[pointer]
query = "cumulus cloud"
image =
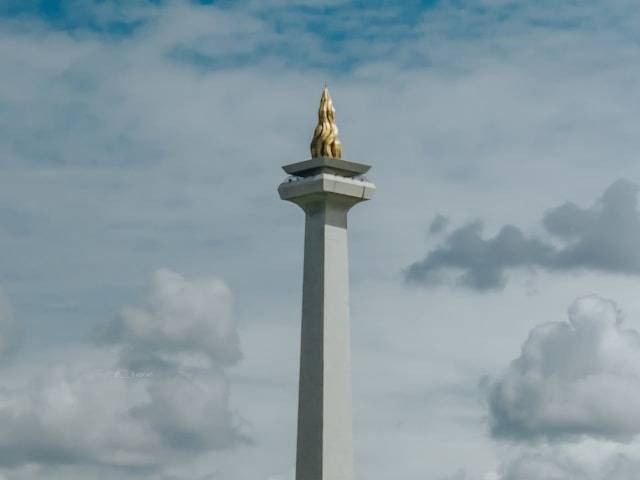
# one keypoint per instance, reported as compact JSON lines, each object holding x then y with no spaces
{"x":164,"y":405}
{"x":572,"y":379}
{"x":62,"y":418}
{"x":603,"y":237}
{"x":181,"y":317}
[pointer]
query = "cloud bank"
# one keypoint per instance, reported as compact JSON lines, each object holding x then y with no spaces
{"x":603,"y":237}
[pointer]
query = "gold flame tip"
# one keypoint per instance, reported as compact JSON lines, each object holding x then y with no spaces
{"x":325,"y":142}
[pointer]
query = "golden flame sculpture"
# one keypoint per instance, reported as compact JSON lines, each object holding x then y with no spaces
{"x":325,"y":141}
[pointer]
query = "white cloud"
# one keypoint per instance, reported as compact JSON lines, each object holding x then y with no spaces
{"x":180,"y":317}
{"x":65,"y":417}
{"x":572,"y":379}
{"x":138,"y":416}
{"x":568,"y":404}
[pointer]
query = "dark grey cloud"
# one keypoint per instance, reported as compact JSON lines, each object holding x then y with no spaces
{"x":438,"y":224}
{"x":572,"y":380}
{"x":481,"y":261}
{"x":602,"y":237}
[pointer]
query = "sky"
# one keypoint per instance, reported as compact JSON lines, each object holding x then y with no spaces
{"x":150,"y":281}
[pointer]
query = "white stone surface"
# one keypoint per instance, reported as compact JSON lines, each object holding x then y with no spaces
{"x":325,"y":447}
{"x":355,"y":187}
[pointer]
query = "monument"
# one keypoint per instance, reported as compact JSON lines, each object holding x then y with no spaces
{"x":325,"y":187}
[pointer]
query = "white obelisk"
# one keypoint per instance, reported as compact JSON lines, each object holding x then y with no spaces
{"x":326,"y":187}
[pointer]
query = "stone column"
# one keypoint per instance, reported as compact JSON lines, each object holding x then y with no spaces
{"x":325,"y":189}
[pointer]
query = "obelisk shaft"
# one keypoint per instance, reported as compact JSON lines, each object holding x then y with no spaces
{"x":325,"y":450}
{"x":326,"y":189}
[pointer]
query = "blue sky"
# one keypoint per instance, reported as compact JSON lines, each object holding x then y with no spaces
{"x":140,"y":148}
{"x":335,"y":25}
